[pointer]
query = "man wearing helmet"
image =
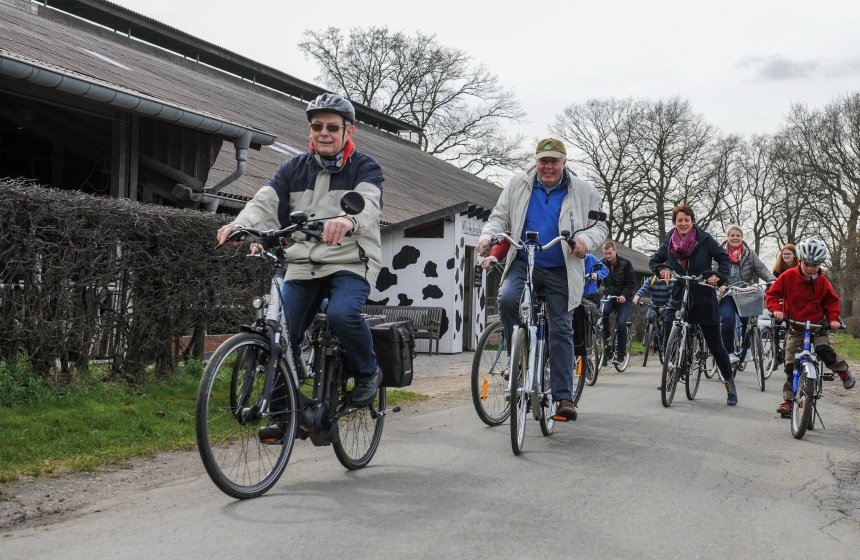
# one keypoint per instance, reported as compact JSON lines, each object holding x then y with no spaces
{"x":804,"y":293}
{"x":340,"y":267}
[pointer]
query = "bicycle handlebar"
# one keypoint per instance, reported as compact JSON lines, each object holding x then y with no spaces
{"x":522,"y":244}
{"x":809,"y":325}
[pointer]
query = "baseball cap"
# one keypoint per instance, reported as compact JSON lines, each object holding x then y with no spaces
{"x":551,"y":148}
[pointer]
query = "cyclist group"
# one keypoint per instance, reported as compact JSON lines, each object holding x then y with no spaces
{"x":546,"y":198}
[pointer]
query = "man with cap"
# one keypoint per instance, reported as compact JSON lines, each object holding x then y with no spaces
{"x":547,"y":198}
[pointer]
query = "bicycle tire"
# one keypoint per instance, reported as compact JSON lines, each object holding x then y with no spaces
{"x":489,"y":376}
{"x":518,"y":396}
{"x":238,"y":463}
{"x":648,"y":342}
{"x":580,"y":373}
{"x":758,"y":360}
{"x":803,"y":404}
{"x":712,"y":370}
{"x":594,"y":358}
{"x":547,"y":422}
{"x":671,"y":369}
{"x":355,"y":435}
{"x":769,"y":351}
{"x":620,"y":368}
{"x":698,"y":360}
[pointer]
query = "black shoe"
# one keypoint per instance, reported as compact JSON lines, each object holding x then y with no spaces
{"x":365,"y":389}
{"x":273,"y":434}
{"x":731,"y":392}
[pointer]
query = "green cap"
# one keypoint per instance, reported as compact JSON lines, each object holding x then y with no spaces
{"x":550,"y":148}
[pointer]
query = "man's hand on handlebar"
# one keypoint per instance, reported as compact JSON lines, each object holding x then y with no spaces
{"x":336,"y":229}
{"x":578,"y":247}
{"x":483,"y":246}
{"x":224,"y":233}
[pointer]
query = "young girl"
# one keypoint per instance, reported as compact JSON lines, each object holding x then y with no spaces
{"x":787,"y":259}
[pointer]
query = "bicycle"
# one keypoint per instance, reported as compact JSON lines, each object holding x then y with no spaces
{"x":772,"y":335}
{"x":807,"y":381}
{"x":749,"y":301}
{"x":594,"y":351}
{"x":685,"y":349}
{"x":609,"y":349}
{"x":529,"y":383}
{"x":653,"y":339}
{"x":490,"y":373}
{"x":254,"y":380}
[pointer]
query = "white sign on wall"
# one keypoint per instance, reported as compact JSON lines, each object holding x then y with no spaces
{"x":471,"y":230}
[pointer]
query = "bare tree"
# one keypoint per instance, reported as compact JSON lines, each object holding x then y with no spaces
{"x":458,"y":105}
{"x":601,"y":134}
{"x":826,"y":144}
{"x":672,"y":157}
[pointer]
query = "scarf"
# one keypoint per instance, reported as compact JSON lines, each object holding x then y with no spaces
{"x":735,"y":254}
{"x":337,"y":162}
{"x":682,"y":247}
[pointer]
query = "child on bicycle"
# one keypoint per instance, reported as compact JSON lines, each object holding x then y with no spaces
{"x":804,"y":293}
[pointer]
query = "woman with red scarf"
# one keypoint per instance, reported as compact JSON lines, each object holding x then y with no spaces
{"x":689,"y":250}
{"x":744,"y":266}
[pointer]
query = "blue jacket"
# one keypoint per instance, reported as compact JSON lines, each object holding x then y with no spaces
{"x":593,"y":264}
{"x":658,"y":290}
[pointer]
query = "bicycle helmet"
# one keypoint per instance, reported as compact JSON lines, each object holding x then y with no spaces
{"x":811,"y":251}
{"x":331,"y":103}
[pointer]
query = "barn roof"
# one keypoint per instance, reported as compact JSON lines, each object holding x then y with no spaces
{"x":418,"y":187}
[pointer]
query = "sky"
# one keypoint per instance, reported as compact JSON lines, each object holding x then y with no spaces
{"x":741,"y":64}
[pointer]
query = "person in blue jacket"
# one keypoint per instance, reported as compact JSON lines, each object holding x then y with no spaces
{"x":594,"y":273}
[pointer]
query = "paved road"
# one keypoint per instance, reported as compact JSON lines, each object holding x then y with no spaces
{"x":629,"y":479}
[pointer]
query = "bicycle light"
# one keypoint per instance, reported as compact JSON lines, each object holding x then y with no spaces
{"x":525,"y":311}
{"x":258,"y":302}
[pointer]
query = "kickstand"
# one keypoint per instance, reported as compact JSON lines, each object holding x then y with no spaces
{"x":816,"y":415}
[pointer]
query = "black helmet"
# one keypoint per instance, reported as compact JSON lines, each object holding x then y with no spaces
{"x":331,"y":103}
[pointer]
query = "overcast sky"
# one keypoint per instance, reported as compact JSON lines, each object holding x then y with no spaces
{"x":741,"y":64}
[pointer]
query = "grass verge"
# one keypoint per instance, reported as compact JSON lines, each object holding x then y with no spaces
{"x":100,"y":424}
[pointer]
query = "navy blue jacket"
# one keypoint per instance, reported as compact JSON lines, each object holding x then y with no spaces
{"x":703,"y":309}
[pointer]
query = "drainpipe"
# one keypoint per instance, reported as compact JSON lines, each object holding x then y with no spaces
{"x":241,"y":143}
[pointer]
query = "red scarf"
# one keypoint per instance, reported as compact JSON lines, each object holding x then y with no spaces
{"x":735,"y":254}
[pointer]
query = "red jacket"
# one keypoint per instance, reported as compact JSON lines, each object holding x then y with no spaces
{"x":803,"y":299}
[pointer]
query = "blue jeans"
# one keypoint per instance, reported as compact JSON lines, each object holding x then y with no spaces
{"x":554,"y":284}
{"x":728,"y":317}
{"x":347,"y":292}
{"x":622,"y":315}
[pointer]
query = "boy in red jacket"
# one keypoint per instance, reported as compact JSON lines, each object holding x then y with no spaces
{"x":803,"y":293}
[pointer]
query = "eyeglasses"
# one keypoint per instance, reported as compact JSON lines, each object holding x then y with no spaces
{"x":317,"y":127}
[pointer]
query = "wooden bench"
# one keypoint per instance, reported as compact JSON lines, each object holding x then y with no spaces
{"x":427,"y":320}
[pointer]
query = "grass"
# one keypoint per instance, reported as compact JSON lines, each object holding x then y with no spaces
{"x":846,"y":346}
{"x":96,"y":424}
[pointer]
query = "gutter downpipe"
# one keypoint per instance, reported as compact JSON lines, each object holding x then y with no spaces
{"x":241,"y":143}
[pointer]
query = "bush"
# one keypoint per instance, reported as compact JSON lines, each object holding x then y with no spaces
{"x":19,"y":385}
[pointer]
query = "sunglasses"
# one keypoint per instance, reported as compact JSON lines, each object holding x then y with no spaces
{"x":317,"y":127}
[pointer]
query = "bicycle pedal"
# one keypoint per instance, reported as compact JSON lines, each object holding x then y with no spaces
{"x":828,"y":377}
{"x":559,"y":418}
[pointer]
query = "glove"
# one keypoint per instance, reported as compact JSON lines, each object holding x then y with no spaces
{"x":593,"y":276}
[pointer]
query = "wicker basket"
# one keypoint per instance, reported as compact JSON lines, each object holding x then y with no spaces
{"x":750,"y":303}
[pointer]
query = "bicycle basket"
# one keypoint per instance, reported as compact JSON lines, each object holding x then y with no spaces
{"x":750,"y":303}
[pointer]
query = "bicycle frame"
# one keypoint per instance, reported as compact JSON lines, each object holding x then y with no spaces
{"x":807,"y":369}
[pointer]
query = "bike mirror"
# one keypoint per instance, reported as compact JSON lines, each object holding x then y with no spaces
{"x":352,"y":203}
{"x":597,"y":215}
{"x":298,"y":217}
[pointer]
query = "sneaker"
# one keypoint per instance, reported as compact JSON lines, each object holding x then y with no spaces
{"x":566,"y":411}
{"x":731,"y":392}
{"x":733,"y":358}
{"x":365,"y":389}
{"x":847,"y":379}
{"x":273,"y":434}
{"x":784,"y":409}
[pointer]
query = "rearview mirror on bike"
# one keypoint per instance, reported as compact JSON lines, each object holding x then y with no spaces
{"x":352,"y":203}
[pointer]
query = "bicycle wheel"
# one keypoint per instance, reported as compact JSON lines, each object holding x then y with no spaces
{"x":620,"y":367}
{"x":697,"y":364}
{"x":580,"y":373}
{"x":756,"y":347}
{"x":490,"y":376}
{"x":712,"y":370}
{"x":547,"y":423}
{"x":803,"y":404}
{"x":769,"y":352}
{"x":595,"y":356}
{"x":658,"y":342}
{"x":671,"y":366}
{"x":236,"y":460}
{"x":356,"y":433}
{"x":519,"y":397}
{"x":647,"y":342}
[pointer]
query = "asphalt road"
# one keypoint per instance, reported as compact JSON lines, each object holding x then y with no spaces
{"x":629,"y":479}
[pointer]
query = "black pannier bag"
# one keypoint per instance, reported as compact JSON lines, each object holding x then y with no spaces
{"x":394,"y":345}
